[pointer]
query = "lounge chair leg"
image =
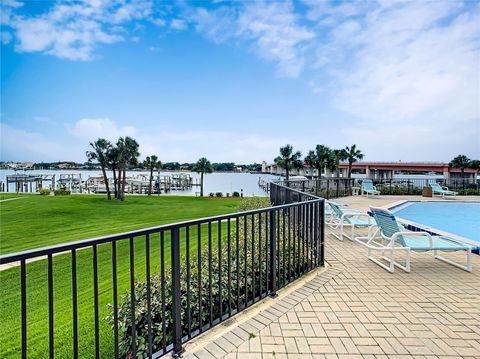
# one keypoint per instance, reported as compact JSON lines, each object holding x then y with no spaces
{"x":407,"y":264}
{"x":392,"y":260}
{"x":467,"y":267}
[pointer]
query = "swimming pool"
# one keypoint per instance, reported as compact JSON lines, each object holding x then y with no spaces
{"x":459,"y":218}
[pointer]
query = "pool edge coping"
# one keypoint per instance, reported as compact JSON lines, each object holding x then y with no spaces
{"x":421,"y":227}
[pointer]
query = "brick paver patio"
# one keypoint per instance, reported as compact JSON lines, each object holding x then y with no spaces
{"x":356,"y":309}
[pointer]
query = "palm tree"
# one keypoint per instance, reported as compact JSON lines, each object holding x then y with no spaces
{"x":310,"y":160}
{"x":113,"y":162}
{"x":128,"y":154}
{"x":353,"y":155}
{"x":202,"y":166}
{"x":334,"y":163}
{"x":289,"y":160}
{"x":100,"y":149}
{"x":475,"y":164}
{"x":462,"y":162}
{"x":323,"y":158}
{"x":151,"y":163}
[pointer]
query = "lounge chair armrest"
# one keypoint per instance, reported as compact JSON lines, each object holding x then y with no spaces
{"x":413,"y":234}
{"x":445,"y":188}
{"x":358,"y":215}
{"x":460,"y":243}
{"x":338,"y":203}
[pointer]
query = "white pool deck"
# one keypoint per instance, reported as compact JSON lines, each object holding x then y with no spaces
{"x":355,"y":309}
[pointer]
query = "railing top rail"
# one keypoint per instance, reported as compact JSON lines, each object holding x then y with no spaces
{"x":64,"y":247}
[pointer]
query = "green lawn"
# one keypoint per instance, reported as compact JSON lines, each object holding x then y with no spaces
{"x":35,"y":221}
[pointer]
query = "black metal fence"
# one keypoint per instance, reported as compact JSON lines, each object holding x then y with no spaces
{"x":414,"y":186}
{"x":323,"y":187}
{"x":163,"y":285}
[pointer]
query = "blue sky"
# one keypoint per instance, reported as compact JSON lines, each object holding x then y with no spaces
{"x":234,"y":81}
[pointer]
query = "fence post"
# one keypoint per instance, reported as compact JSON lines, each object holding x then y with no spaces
{"x":321,"y":239}
{"x":272,"y":196}
{"x":273,"y":255}
{"x":328,"y":188}
{"x":176,"y":295}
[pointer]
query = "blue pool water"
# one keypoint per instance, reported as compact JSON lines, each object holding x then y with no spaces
{"x":460,"y":218}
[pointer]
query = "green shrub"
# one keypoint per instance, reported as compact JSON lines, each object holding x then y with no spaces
{"x":45,"y":192}
{"x":219,"y":194}
{"x":251,"y":203}
{"x":235,"y":194}
{"x":467,"y":191}
{"x":251,"y":269}
{"x":62,"y":192}
{"x":211,"y":194}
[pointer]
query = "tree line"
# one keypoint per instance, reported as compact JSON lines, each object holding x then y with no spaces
{"x":320,"y":159}
{"x":462,"y":162}
{"x":124,"y":155}
{"x":323,"y":157}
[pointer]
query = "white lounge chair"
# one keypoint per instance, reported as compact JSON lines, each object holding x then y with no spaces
{"x":442,"y":191}
{"x":369,"y":189}
{"x":388,"y":238}
{"x":342,"y":218}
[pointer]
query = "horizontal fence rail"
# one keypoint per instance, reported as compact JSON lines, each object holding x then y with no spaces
{"x":322,"y":187}
{"x":330,"y":188}
{"x":414,"y":186}
{"x":145,"y":293}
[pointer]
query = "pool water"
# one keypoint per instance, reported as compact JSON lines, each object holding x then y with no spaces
{"x":460,"y":218}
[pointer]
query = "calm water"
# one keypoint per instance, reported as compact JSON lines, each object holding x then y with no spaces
{"x":214,"y":182}
{"x":460,"y":218}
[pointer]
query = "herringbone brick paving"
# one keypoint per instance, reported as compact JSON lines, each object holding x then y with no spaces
{"x":358,"y":310}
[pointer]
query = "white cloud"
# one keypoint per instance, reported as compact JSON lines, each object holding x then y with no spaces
{"x":73,"y":30}
{"x":278,"y":36}
{"x":408,"y":71}
{"x":21,"y":145}
{"x":187,"y":146}
{"x":217,"y":146}
{"x":178,"y":24}
{"x":273,"y":28}
{"x":92,"y":128}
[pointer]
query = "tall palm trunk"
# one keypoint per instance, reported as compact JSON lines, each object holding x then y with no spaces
{"x":287,"y":173}
{"x":201,"y":184}
{"x":151,"y":180}
{"x":114,"y":181}
{"x":124,"y":182}
{"x":105,"y":178}
{"x":119,"y":181}
{"x":350,"y":169}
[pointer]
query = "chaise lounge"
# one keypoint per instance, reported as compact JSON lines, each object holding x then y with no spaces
{"x":369,"y":189}
{"x":387,"y":237}
{"x":342,"y":218}
{"x":442,"y":191}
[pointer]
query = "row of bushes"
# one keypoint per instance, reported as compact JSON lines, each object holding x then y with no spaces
{"x":220,"y":194}
{"x":246,"y":259}
{"x":57,"y":192}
